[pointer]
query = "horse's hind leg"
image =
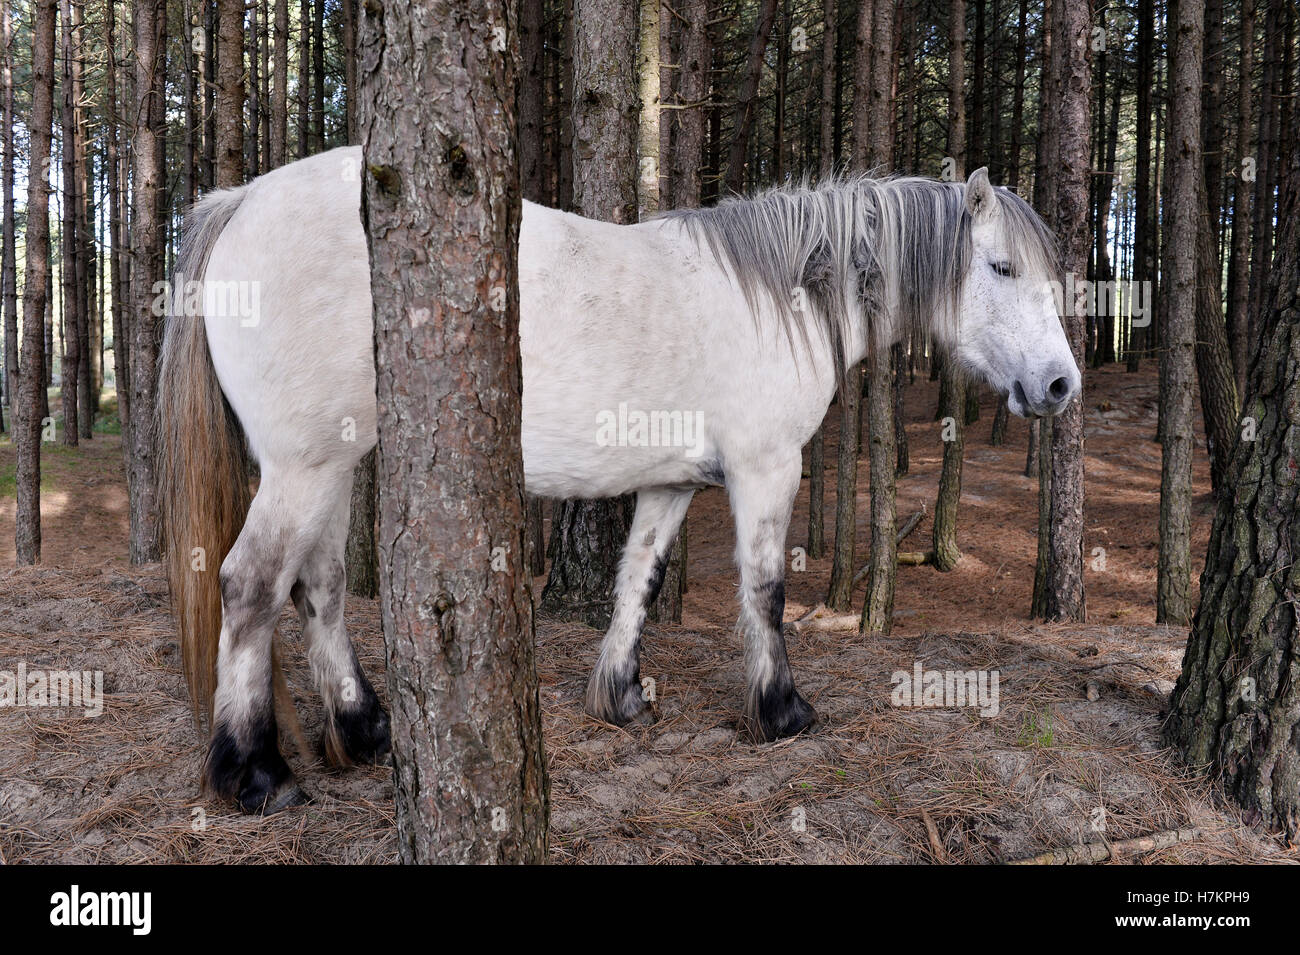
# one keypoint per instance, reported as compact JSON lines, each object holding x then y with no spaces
{"x":356,"y":726}
{"x":283,"y":525}
{"x":614,"y":691}
{"x":761,"y":500}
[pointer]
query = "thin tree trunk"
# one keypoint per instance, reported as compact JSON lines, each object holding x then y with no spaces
{"x":587,"y":537}
{"x":952,"y":390}
{"x":826,"y":123}
{"x":469,"y":767}
{"x":31,"y":371}
{"x":1177,"y":365}
{"x":304,"y":77}
{"x":747,"y":98}
{"x":1239,"y":261}
{"x":882,"y":566}
{"x":8,"y":264}
{"x":1144,"y":252}
{"x":693,"y":68}
{"x":1061,"y":573}
{"x":532,"y":42}
{"x":318,"y":75}
{"x":230,"y":93}
{"x":70,"y":376}
{"x":361,"y":555}
{"x":1218,"y":388}
{"x":349,"y":15}
{"x":280,"y":86}
{"x":147,"y":269}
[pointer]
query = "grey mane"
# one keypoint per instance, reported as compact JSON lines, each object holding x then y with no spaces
{"x":891,"y":253}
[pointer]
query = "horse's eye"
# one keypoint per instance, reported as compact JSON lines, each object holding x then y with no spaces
{"x":1003,"y":269}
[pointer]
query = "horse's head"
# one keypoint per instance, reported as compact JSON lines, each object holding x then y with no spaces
{"x":1009,"y":332}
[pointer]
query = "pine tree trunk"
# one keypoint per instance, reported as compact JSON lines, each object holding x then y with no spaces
{"x":361,"y":556}
{"x":147,"y":269}
{"x":1218,"y":389}
{"x":587,"y":537}
{"x":469,"y":768}
{"x":1177,"y":364}
{"x":1144,"y":241}
{"x":747,"y":98}
{"x":694,"y":64}
{"x":1234,"y":708}
{"x":70,"y":376}
{"x":843,"y":556}
{"x":1239,"y":260}
{"x":230,"y":93}
{"x":280,"y":86}
{"x":9,"y":262}
{"x":1061,"y":573}
{"x":304,"y":78}
{"x":952,"y":388}
{"x":348,"y":14}
{"x":318,"y":75}
{"x":882,"y":565}
{"x":28,"y":409}
{"x":532,"y":42}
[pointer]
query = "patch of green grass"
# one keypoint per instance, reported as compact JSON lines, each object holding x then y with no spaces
{"x":1036,"y":730}
{"x":9,"y":480}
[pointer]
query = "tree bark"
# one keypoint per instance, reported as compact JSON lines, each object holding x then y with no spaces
{"x":1061,"y":573}
{"x":147,"y":269}
{"x":280,"y":86}
{"x":1218,"y":389}
{"x":1234,"y":708}
{"x":1177,"y":364}
{"x":882,"y":564}
{"x":361,"y":555}
{"x":437,"y":108}
{"x":1239,"y":260}
{"x":1144,"y":227}
{"x":689,"y":118}
{"x":70,"y":300}
{"x":587,"y":537}
{"x":952,"y":389}
{"x":31,"y":371}
{"x":9,"y":263}
{"x":230,"y":93}
{"x":747,"y":98}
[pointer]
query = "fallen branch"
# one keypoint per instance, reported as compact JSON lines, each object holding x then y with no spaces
{"x":1109,"y":851}
{"x":821,"y":619}
{"x":911,"y":524}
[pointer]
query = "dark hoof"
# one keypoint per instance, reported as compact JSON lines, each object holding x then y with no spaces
{"x":288,"y":796}
{"x":776,"y":714}
{"x":357,"y":737}
{"x":257,"y":779}
{"x":618,"y":701}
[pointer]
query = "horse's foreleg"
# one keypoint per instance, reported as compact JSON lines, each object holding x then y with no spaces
{"x":244,"y":761}
{"x":356,"y":726}
{"x":761,"y":499}
{"x":614,"y":693}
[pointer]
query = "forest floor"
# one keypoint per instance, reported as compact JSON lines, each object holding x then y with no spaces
{"x":1072,"y":756}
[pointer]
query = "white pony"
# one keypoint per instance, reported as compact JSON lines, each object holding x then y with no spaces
{"x":700,"y":348}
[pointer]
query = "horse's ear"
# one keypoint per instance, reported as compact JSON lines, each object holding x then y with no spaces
{"x":980,"y":201}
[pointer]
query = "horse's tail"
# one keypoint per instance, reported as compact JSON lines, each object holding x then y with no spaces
{"x":203,"y":487}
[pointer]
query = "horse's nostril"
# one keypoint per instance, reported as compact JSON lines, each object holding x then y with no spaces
{"x":1059,"y":389}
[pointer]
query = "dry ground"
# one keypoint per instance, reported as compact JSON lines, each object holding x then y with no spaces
{"x":871,"y":783}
